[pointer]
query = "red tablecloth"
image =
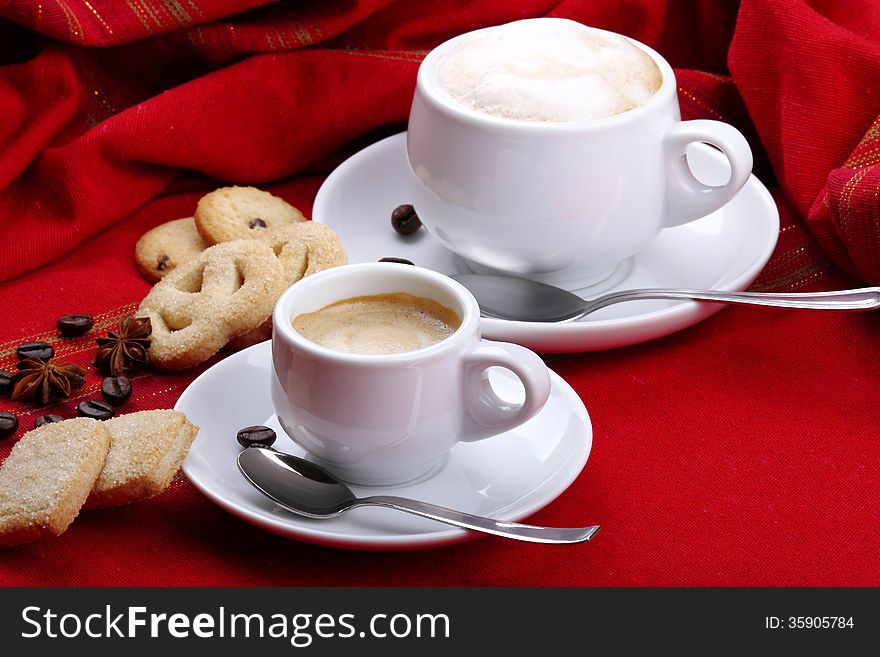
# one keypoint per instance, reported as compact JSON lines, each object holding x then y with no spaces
{"x":742,"y":451}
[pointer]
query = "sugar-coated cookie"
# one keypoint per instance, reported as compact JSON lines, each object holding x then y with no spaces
{"x":233,"y":213}
{"x":227,"y":290}
{"x":146,"y":450}
{"x":303,"y":249}
{"x":47,"y":478}
{"x":167,"y":246}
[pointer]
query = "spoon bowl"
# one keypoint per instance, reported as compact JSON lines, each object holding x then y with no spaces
{"x":308,"y":490}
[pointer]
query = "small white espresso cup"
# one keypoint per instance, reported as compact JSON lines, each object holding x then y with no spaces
{"x":562,"y":202}
{"x":390,"y":418}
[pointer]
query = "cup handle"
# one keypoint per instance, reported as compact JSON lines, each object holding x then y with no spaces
{"x":486,"y":413}
{"x":686,"y":197}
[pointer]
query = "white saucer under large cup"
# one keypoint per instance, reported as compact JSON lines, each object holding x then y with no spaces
{"x":506,"y":477}
{"x":725,"y":250}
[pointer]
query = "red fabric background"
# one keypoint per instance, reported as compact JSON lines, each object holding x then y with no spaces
{"x":742,"y":451}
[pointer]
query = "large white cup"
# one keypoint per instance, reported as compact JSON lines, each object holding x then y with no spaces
{"x":390,"y":418}
{"x":561,"y":202}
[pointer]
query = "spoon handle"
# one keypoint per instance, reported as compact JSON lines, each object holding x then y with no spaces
{"x":515,"y":530}
{"x":867,"y":298}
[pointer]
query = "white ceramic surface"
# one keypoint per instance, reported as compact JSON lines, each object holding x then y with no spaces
{"x":508,"y":477}
{"x":724,"y":250}
{"x":560,"y":202}
{"x":388,"y":418}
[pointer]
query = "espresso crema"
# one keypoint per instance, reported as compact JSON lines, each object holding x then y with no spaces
{"x":378,"y":324}
{"x":547,"y":70}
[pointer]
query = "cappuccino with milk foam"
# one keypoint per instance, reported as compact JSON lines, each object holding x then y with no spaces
{"x":548,"y":70}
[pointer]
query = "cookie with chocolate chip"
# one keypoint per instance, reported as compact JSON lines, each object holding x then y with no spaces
{"x":234,"y":213}
{"x":166,"y":247}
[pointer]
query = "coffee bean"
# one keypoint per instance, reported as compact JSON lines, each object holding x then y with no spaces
{"x":47,"y":419}
{"x":41,"y":350}
{"x":256,"y":436}
{"x":5,"y":382}
{"x":94,"y":409}
{"x":8,"y":424}
{"x":73,"y":326}
{"x":405,"y":220}
{"x":399,"y":261}
{"x":116,"y":389}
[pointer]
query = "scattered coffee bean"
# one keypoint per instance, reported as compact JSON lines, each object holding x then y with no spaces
{"x":73,"y":326}
{"x":94,"y":409}
{"x":5,"y":382}
{"x":405,"y":220}
{"x":256,"y":221}
{"x":47,"y":419}
{"x":8,"y":424}
{"x":41,"y":350}
{"x":399,"y":261}
{"x":256,"y":436}
{"x":116,"y":389}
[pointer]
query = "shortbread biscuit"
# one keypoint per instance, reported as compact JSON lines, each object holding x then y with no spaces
{"x":47,"y":478}
{"x":146,"y":450}
{"x":167,"y":246}
{"x":227,"y":290}
{"x":234,"y":213}
{"x":303,"y":249}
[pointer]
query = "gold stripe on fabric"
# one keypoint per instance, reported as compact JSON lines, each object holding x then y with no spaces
{"x":720,"y":78}
{"x":269,"y":42}
{"x":72,"y":21}
{"x":364,"y":53}
{"x":844,"y":205}
{"x":195,"y":35}
{"x":178,"y":11}
{"x":865,"y":159}
{"x":103,"y":322}
{"x":281,"y":40}
{"x":873,"y":131}
{"x":303,"y":34}
{"x":701,"y":104}
{"x":195,"y":8}
{"x":87,"y":390}
{"x":98,"y":16}
{"x":148,"y":9}
{"x":800,"y":277}
{"x":141,"y":17}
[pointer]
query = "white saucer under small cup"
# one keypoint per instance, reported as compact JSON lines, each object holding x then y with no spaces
{"x":508,"y":477}
{"x":725,"y":250}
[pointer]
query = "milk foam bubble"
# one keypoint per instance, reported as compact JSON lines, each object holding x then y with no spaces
{"x":547,"y":70}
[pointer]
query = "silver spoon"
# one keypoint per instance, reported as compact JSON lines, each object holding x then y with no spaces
{"x":311,"y":491}
{"x":509,"y":297}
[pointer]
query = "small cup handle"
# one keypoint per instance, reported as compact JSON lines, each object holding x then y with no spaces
{"x":486,"y":413}
{"x":687,"y":198}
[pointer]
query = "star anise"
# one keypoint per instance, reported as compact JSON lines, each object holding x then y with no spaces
{"x":45,"y":381}
{"x":126,"y":349}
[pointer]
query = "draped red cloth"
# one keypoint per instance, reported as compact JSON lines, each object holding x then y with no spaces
{"x":742,"y":451}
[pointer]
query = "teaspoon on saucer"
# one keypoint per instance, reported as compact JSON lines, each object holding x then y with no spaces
{"x":521,"y":299}
{"x":308,"y":490}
